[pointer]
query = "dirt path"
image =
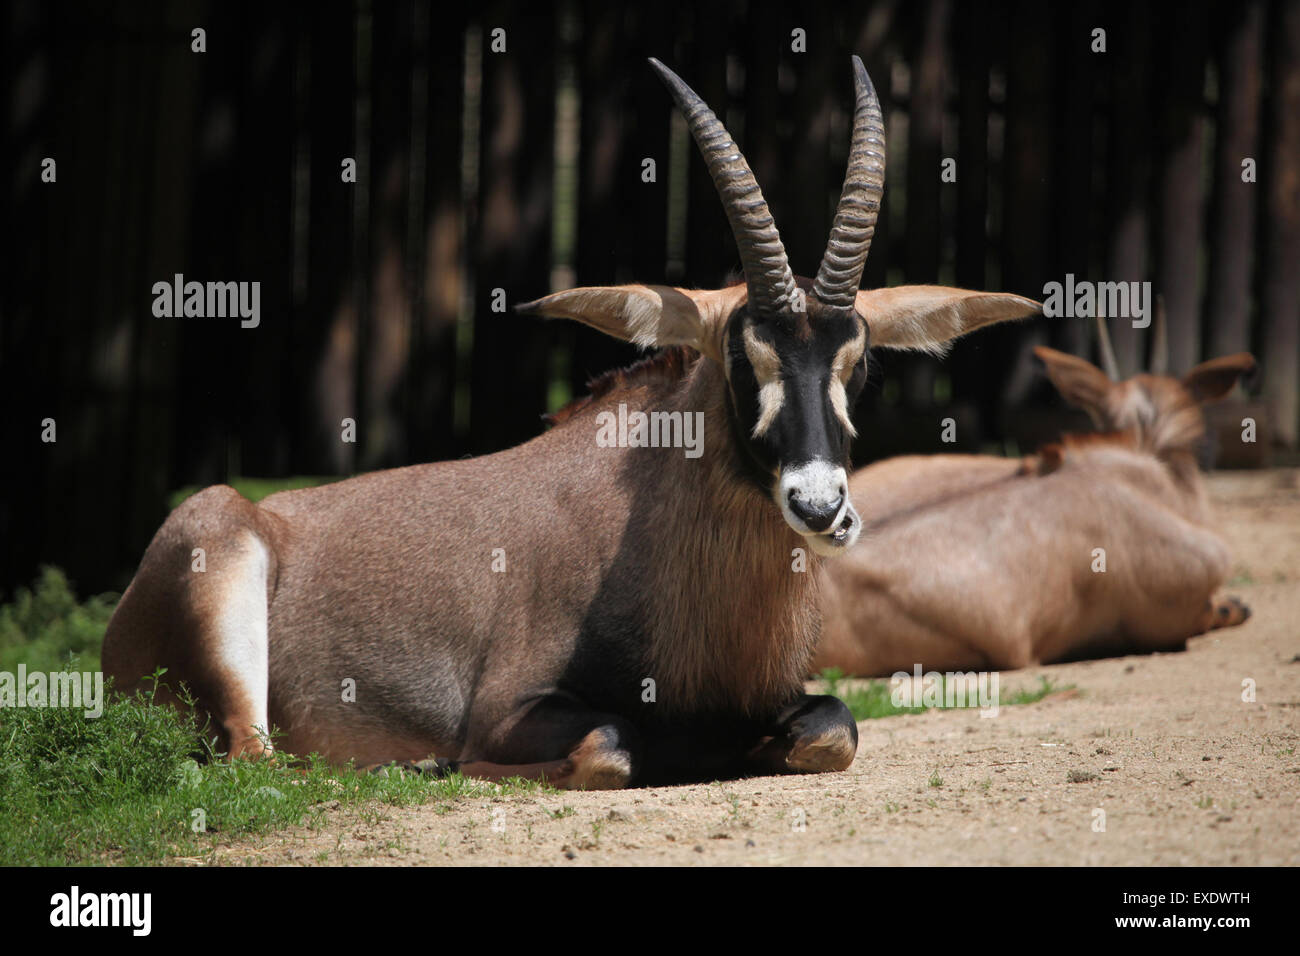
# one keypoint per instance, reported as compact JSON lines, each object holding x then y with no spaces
{"x":1151,"y":760}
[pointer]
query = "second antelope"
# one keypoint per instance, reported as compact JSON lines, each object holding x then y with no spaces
{"x":644,"y":622}
{"x":971,"y":561}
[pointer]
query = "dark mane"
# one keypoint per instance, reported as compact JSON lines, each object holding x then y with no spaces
{"x":663,"y":367}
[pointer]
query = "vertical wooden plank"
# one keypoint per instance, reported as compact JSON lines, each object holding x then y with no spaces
{"x":75,"y":129}
{"x":712,"y":66}
{"x":565,"y":188}
{"x":42,"y":63}
{"x":1182,"y":192}
{"x":436,"y":249}
{"x":383,"y":439}
{"x":1028,"y":156}
{"x":807,"y":186}
{"x":100,"y":398}
{"x":872,"y":31}
{"x":202,"y":437}
{"x":1030,"y":179}
{"x":153,"y":414}
{"x":1130,"y":48}
{"x":1232,"y":220}
{"x":363,"y":194}
{"x":20,"y":52}
{"x":972,"y":54}
{"x":642,"y":207}
{"x":325,"y":341}
{"x":879,"y":37}
{"x":925,"y":143}
{"x":263,"y":244}
{"x":509,"y":365}
{"x":293,"y":378}
{"x":929,"y":78}
{"x":1075,"y":218}
{"x":1280,"y":295}
{"x":607,"y":178}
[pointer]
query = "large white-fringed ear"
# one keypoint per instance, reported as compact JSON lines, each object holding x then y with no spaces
{"x":928,"y":317}
{"x":647,"y":315}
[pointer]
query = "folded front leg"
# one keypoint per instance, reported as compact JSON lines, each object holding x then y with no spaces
{"x":815,"y":734}
{"x":558,"y":739}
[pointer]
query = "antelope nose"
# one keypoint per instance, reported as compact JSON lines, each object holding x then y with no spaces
{"x":817,"y":516}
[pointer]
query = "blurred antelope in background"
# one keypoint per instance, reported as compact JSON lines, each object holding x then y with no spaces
{"x":646,"y":620}
{"x":970,"y":561}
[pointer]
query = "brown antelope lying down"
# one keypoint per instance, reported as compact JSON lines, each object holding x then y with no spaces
{"x":586,"y":614}
{"x":969,"y":562}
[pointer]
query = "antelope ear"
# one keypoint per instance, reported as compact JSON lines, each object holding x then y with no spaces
{"x":647,"y":315}
{"x":1080,"y":382}
{"x":1213,"y":380}
{"x":927,"y":317}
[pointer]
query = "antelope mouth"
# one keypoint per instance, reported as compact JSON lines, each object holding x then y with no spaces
{"x":843,"y":535}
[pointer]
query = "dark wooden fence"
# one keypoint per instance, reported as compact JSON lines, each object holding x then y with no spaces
{"x":521,"y":171}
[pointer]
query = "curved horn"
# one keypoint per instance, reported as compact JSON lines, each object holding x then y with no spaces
{"x":1160,"y":340}
{"x":840,"y":273}
{"x":1108,"y":360}
{"x":767,"y":270}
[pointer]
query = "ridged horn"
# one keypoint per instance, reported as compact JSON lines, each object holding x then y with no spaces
{"x":840,"y":273}
{"x":767,"y":270}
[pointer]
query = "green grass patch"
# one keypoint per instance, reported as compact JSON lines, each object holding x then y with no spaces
{"x":255,"y":489}
{"x":48,"y":629}
{"x":871,"y":699}
{"x":138,"y":785}
{"x":1032,"y":695}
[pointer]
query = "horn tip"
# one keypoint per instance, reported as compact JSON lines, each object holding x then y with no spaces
{"x":663,"y":71}
{"x":860,"y":74}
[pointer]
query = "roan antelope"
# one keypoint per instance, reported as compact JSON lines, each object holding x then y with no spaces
{"x":646,"y":624}
{"x":971,"y":561}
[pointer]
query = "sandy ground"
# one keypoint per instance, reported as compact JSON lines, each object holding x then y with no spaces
{"x":1148,"y":760}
